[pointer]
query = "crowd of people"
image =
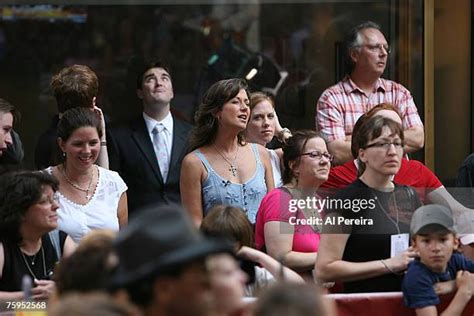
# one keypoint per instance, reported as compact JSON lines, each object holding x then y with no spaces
{"x":216,"y":217}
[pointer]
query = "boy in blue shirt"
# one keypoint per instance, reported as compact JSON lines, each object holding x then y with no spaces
{"x":434,"y":238}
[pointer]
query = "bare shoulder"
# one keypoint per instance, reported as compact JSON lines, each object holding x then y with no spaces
{"x":260,"y":148}
{"x":191,"y":158}
{"x":192,"y":163}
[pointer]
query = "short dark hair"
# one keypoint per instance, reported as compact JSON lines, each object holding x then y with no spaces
{"x":7,"y":107}
{"x":363,"y":118}
{"x":76,"y":118}
{"x":75,"y":86}
{"x":205,"y":128}
{"x":292,"y":150}
{"x":18,"y":192}
{"x":229,"y":222}
{"x":147,"y":65}
{"x":352,"y":41}
{"x":372,"y":129}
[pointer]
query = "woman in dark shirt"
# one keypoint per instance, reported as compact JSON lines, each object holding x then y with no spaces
{"x":366,"y":239}
{"x":28,"y":205}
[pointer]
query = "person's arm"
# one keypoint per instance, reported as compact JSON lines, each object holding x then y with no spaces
{"x":43,"y":289}
{"x":330,"y":123}
{"x":268,"y":167}
{"x":427,"y":311}
{"x":341,"y":150}
{"x":7,"y":296}
{"x":445,"y":287}
{"x":190,"y":183}
{"x":279,"y":244}
{"x":414,"y":139}
{"x":103,"y":159}
{"x":281,"y":133}
{"x":122,"y":211}
{"x":14,"y":153}
{"x":330,"y":267}
{"x":465,"y":285}
{"x":443,"y":197}
{"x":277,"y":270}
{"x":69,"y":246}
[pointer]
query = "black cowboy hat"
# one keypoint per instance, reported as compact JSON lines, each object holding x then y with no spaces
{"x":157,"y":239}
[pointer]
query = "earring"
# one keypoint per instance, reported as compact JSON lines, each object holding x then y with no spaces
{"x":297,"y":177}
{"x":64,"y":154}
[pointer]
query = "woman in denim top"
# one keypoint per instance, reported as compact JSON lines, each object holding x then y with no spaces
{"x":222,"y":167}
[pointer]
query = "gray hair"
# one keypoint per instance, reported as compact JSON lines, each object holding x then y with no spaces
{"x":353,"y":39}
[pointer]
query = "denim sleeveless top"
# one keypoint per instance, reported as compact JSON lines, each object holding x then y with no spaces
{"x":217,"y":190}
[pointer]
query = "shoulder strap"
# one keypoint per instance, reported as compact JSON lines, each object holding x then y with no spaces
{"x":54,"y":237}
{"x":255,"y":152}
{"x":203,"y":160}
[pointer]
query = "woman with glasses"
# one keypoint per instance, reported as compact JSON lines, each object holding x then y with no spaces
{"x":288,"y":219}
{"x":90,"y":197}
{"x":262,"y":126}
{"x":28,"y":212}
{"x":365,"y":243}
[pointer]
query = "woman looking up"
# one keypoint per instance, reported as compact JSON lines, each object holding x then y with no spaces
{"x":222,"y":167}
{"x":90,"y":196}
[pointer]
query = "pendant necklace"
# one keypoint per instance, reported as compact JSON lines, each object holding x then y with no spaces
{"x":33,"y":263}
{"x":232,"y":166}
{"x":75,"y":186}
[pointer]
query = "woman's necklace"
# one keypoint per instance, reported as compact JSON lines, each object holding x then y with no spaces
{"x":389,"y":188}
{"x":33,"y":263}
{"x":75,"y":186}
{"x":232,"y":166}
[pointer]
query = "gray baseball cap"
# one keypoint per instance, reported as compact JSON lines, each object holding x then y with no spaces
{"x":432,"y":214}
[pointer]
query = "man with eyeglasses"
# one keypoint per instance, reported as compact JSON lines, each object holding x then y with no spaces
{"x":341,"y":105}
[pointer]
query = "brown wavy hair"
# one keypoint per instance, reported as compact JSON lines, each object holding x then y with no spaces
{"x":205,"y":128}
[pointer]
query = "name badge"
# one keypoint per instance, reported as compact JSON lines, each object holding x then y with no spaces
{"x":399,"y":243}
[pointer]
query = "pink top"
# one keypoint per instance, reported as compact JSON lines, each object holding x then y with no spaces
{"x":275,"y":206}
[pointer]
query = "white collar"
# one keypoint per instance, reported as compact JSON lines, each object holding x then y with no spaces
{"x":151,"y":122}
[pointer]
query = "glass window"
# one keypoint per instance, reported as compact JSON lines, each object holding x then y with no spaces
{"x":291,"y":49}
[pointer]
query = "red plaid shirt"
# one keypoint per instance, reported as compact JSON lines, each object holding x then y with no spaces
{"x":341,"y":105}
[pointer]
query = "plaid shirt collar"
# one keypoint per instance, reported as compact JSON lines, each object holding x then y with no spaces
{"x":349,"y":86}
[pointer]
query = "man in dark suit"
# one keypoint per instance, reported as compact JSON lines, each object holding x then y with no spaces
{"x":147,"y":151}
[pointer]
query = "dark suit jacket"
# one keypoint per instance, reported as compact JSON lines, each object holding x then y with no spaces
{"x":131,"y":154}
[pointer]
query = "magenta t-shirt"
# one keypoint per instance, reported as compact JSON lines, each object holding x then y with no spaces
{"x":275,"y":206}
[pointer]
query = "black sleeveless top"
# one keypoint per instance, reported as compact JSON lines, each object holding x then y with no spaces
{"x":14,"y":267}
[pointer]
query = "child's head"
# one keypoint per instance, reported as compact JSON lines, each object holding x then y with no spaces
{"x":433,"y":236}
{"x":230,"y":222}
{"x":465,"y":229}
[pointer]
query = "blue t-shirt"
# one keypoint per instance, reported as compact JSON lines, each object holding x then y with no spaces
{"x":417,"y":285}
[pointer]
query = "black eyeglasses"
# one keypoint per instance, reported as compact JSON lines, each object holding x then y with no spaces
{"x":386,"y":145}
{"x":377,"y":48}
{"x":319,"y":155}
